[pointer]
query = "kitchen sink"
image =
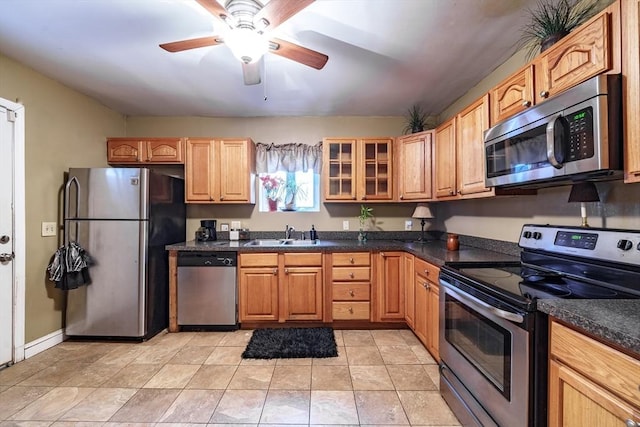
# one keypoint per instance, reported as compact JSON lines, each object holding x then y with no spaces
{"x":280,"y":242}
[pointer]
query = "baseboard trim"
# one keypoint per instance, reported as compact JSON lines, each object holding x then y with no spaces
{"x":43,"y":343}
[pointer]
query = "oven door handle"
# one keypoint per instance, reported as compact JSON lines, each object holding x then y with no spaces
{"x":481,"y":305}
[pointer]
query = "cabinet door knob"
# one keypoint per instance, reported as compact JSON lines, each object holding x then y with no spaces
{"x":630,"y":423}
{"x":351,"y":275}
{"x":354,"y":197}
{"x":426,"y":272}
{"x":286,"y":271}
{"x":221,"y":198}
{"x":401,"y":197}
{"x":351,"y":310}
{"x":426,"y":285}
{"x":275,"y":271}
{"x":351,"y":260}
{"x":351,"y":292}
{"x":526,"y":103}
{"x":382,"y":254}
{"x":544,"y":93}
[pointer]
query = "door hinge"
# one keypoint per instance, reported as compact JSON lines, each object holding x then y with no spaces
{"x":11,"y":115}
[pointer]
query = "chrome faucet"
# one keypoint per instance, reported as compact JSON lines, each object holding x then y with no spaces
{"x":287,"y":231}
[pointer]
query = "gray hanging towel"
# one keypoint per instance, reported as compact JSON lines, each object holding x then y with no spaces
{"x":69,"y":268}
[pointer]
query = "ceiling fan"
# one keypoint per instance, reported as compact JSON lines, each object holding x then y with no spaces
{"x":248,"y":23}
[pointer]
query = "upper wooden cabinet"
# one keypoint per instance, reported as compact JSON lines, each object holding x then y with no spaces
{"x":445,"y":160}
{"x":220,"y":170}
{"x":631,"y":88}
{"x":145,"y":150}
{"x":513,"y":95}
{"x":357,"y":169}
{"x":415,"y":167}
{"x":582,"y":54}
{"x":471,"y":124}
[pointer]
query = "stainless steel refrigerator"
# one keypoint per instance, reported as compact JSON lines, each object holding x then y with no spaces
{"x":123,"y":217}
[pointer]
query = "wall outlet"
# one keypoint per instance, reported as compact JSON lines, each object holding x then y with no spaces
{"x":345,"y":225}
{"x":408,"y":225}
{"x":235,"y":225}
{"x":224,"y":227}
{"x":49,"y":229}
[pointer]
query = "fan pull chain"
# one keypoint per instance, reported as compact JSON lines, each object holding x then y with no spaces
{"x":264,"y":78}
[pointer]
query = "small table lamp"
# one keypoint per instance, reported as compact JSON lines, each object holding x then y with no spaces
{"x":423,"y":212}
{"x":584,"y":192}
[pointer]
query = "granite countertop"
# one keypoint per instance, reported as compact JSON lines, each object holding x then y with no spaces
{"x":616,"y":321}
{"x":434,"y":251}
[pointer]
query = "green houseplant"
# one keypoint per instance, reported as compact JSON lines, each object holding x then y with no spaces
{"x":415,"y":120}
{"x":365,"y":215}
{"x":551,"y":20}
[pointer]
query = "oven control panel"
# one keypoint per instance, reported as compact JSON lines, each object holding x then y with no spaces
{"x":598,"y":243}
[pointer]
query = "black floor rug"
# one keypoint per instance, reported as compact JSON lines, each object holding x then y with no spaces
{"x":291,"y":343}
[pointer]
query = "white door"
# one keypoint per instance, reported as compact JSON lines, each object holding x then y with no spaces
{"x":6,"y":235}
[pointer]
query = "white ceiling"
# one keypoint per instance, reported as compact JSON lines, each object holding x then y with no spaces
{"x":384,"y":55}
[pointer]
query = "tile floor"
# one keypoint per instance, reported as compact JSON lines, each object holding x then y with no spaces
{"x":381,"y":377}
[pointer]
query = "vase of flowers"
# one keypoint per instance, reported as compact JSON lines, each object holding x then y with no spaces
{"x":272,"y":190}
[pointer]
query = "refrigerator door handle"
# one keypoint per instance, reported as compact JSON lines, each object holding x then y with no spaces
{"x":67,"y":204}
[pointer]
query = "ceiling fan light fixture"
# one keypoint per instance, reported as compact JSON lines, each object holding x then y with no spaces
{"x":246,"y":44}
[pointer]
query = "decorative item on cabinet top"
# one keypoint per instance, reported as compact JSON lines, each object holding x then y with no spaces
{"x":553,"y":20}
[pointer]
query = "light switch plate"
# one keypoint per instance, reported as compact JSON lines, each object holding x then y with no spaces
{"x":224,"y":227}
{"x":48,"y":229}
{"x":345,"y":224}
{"x":408,"y":225}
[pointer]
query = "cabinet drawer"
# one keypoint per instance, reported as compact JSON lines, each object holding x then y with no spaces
{"x":303,"y":259}
{"x":259,"y":260}
{"x":426,"y":270}
{"x":351,"y":258}
{"x":351,"y":291}
{"x":350,"y":310}
{"x":359,"y":274}
{"x":605,"y":366}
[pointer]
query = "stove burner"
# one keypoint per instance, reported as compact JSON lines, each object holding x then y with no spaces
{"x":591,"y":291}
{"x":489,"y":273}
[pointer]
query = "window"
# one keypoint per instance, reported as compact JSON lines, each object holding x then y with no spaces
{"x":288,"y":177}
{"x":289,"y":191}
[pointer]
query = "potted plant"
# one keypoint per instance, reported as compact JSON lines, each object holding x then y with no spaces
{"x":289,"y":191}
{"x":552,"y":20}
{"x":365,"y":215}
{"x":415,"y":120}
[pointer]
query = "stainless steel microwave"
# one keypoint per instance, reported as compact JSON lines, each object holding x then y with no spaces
{"x":573,"y":136}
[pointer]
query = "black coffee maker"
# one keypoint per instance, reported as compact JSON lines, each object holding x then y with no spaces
{"x":207,"y":231}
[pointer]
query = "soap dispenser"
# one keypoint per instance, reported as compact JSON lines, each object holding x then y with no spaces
{"x":313,"y":234}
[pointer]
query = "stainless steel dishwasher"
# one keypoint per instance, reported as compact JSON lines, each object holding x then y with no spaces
{"x":207,"y":290}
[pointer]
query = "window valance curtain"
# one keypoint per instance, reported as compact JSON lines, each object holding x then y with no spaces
{"x":288,"y":157}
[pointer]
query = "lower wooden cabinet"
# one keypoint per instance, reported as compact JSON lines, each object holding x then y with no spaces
{"x":302,"y":285}
{"x":280,"y":287}
{"x":389,"y":289}
{"x":427,"y":316}
{"x":591,"y":384}
{"x":350,"y":275}
{"x":258,"y":287}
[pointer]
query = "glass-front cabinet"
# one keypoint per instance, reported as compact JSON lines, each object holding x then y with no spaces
{"x":357,"y":169}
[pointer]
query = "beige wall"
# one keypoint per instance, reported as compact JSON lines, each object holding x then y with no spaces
{"x":281,"y":130}
{"x":63,"y":129}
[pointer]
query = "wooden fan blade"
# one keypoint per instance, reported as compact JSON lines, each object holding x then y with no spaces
{"x":278,"y":11}
{"x":214,"y":8}
{"x":251,"y":73}
{"x":298,"y":53}
{"x":191,"y":43}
